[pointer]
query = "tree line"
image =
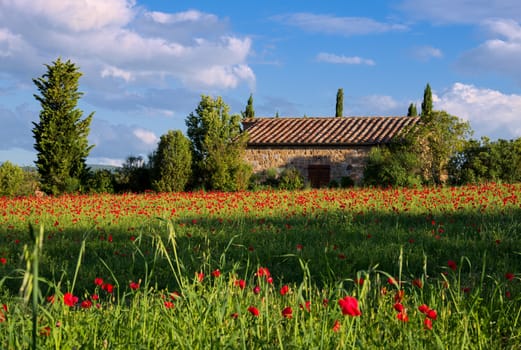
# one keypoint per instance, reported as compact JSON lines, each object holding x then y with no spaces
{"x":437,"y":150}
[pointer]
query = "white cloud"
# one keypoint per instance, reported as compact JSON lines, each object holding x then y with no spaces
{"x":490,"y":112}
{"x":461,"y":11}
{"x":187,"y":16}
{"x":425,"y":53}
{"x":377,"y":105}
{"x":330,"y":24}
{"x":146,"y":136}
{"x":499,"y":54}
{"x":117,"y":73}
{"x":332,"y":58}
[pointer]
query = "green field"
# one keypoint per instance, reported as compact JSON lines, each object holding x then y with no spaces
{"x":426,"y":268}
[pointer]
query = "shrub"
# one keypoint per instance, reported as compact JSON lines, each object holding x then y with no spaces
{"x":291,"y":179}
{"x":11,"y":179}
{"x":346,"y":182}
{"x":101,"y":181}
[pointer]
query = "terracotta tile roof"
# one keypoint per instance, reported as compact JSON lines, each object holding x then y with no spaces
{"x":320,"y":131}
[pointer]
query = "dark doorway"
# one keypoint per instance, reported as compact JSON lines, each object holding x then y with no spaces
{"x":319,"y":175}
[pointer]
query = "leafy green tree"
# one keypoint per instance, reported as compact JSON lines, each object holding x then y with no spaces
{"x":101,"y":181}
{"x":249,"y":112}
{"x":11,"y":179}
{"x":412,"y":111}
{"x":217,"y":146}
{"x":339,"y":103}
{"x":133,"y":176}
{"x":427,"y":101}
{"x":435,"y":140}
{"x":61,"y":134}
{"x":172,"y":163}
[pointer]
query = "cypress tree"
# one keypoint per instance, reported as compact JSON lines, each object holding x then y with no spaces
{"x":249,"y":112}
{"x":412,"y":112}
{"x":427,"y":101}
{"x":339,"y":103}
{"x":61,"y":134}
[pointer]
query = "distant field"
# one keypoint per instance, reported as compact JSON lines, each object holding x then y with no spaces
{"x":223,"y":255}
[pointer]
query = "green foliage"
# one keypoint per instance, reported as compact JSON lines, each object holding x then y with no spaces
{"x":339,"y":103}
{"x":61,"y":134}
{"x":291,"y":179}
{"x":12,"y":179}
{"x":217,"y":146}
{"x":346,"y":182}
{"x":393,"y":165}
{"x":249,"y":112}
{"x":101,"y":181}
{"x":133,"y":176}
{"x":412,"y":111}
{"x":484,"y":161}
{"x":427,"y":101}
{"x":435,"y":140}
{"x":172,"y":163}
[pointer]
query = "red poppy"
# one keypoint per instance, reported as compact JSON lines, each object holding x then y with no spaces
{"x":98,"y":281}
{"x":241,"y":284}
{"x":509,"y":276}
{"x":107,"y":287}
{"x":287,"y":312}
{"x":50,"y":299}
{"x":45,"y":331}
{"x":417,"y":282}
{"x":349,"y":306}
{"x":307,"y":306}
{"x":235,"y":315}
{"x":427,"y":323}
{"x":94,"y":297}
{"x":3,"y":261}
{"x":423,"y":308}
{"x":86,"y":304}
{"x":256,"y":290}
{"x":263,"y":271}
{"x":360,"y":281}
{"x":253,"y":310}
{"x":402,"y":316}
{"x":398,"y":307}
{"x":168,"y":304}
{"x":69,"y":299}
{"x":299,"y":247}
{"x":216,"y":273}
{"x":398,"y":297}
{"x":134,"y":285}
{"x":336,"y":326}
{"x":432,"y":314}
{"x":200,"y":276}
{"x":452,"y":265}
{"x":284,"y":290}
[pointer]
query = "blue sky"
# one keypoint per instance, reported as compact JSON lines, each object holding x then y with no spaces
{"x":145,"y":64}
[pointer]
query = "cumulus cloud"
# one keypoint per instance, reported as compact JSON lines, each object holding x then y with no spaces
{"x":332,"y":58}
{"x":329,"y":24}
{"x":376,"y":105}
{"x":461,"y":11}
{"x":499,"y":54}
{"x":490,"y":112}
{"x":116,"y":38}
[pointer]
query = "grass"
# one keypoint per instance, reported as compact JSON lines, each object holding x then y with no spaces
{"x":456,"y":250}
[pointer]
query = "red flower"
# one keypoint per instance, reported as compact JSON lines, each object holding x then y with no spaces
{"x":241,"y":284}
{"x":256,"y":290}
{"x":3,"y":261}
{"x":432,"y":314}
{"x":168,"y":304}
{"x":417,"y":282}
{"x":307,"y":306}
{"x":134,"y":285}
{"x":94,"y":297}
{"x":391,"y":280}
{"x":269,"y":280}
{"x":427,"y":323}
{"x":349,"y":306}
{"x":509,"y":276}
{"x":398,"y":297}
{"x":200,"y":276}
{"x":107,"y":287}
{"x":336,"y":326}
{"x":423,"y":308}
{"x":284,"y":290}
{"x":398,"y":307}
{"x":98,"y":281}
{"x":235,"y":315}
{"x":359,"y":281}
{"x":50,"y":299}
{"x":299,"y":247}
{"x":287,"y":312}
{"x":263,"y":271}
{"x":216,"y":273}
{"x":86,"y":304}
{"x":45,"y":331}
{"x":69,"y":299}
{"x":402,"y":316}
{"x":452,"y":265}
{"x":253,"y":310}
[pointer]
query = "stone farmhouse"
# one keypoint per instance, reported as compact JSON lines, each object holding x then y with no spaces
{"x":321,"y":148}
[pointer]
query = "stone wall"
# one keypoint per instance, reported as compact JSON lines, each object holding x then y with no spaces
{"x":348,"y":162}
